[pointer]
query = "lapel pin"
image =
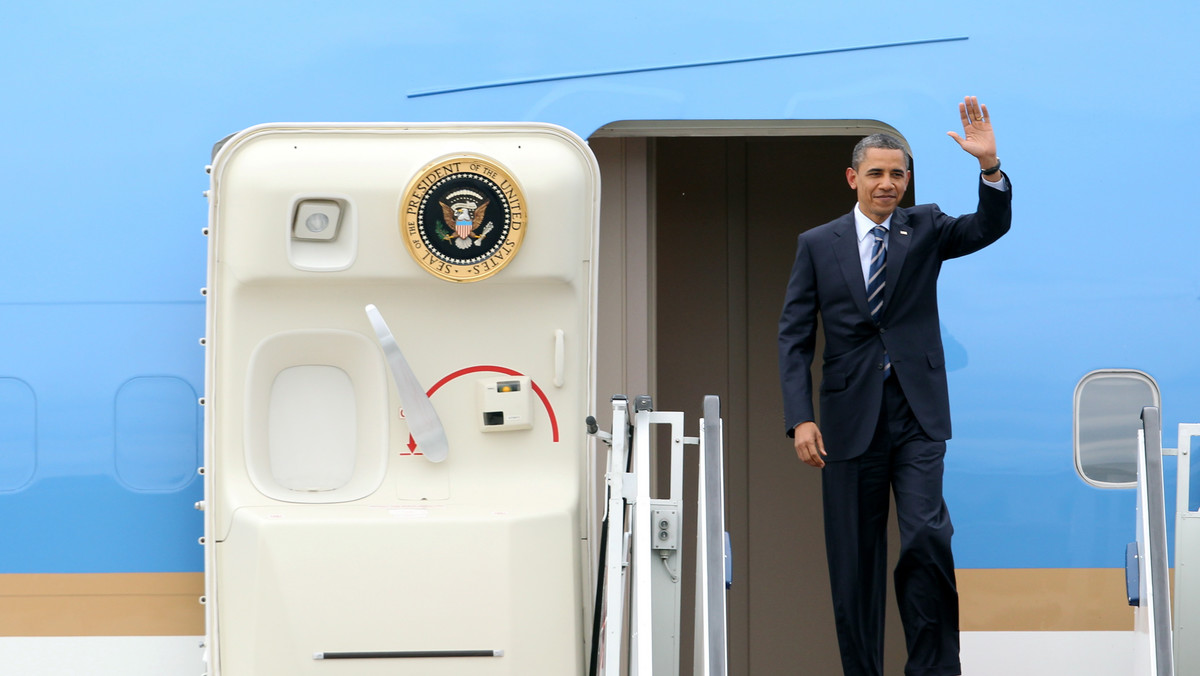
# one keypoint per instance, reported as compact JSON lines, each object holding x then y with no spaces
{"x":903,"y":232}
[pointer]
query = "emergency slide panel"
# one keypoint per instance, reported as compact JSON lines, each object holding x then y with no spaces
{"x":376,"y":292}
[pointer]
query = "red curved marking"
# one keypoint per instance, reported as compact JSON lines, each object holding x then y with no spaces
{"x":412,"y":444}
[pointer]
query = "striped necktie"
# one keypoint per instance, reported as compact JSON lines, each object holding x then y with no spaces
{"x":876,"y":281}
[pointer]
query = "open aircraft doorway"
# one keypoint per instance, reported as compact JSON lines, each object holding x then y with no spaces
{"x":697,"y":236}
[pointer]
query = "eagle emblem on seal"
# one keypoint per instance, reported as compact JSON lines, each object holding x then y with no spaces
{"x":465,"y":210}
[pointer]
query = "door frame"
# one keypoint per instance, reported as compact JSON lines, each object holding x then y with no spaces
{"x":626,"y":342}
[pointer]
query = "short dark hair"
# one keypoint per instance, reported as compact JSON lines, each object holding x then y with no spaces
{"x":884,"y":141}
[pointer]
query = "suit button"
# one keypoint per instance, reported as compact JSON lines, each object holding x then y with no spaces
{"x":882,"y":330}
{"x":879,"y":367}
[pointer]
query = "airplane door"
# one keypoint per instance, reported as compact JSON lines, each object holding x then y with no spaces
{"x":398,"y":355}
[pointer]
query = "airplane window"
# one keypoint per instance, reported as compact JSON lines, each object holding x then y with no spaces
{"x":18,"y":434}
{"x":1108,"y":409}
{"x":157,"y":433}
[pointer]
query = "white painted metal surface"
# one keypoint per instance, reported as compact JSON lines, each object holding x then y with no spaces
{"x":102,"y":655}
{"x":641,"y":629}
{"x":642,"y":529}
{"x":1153,"y":655}
{"x":617,"y":550}
{"x":712,"y":566}
{"x":1145,"y":659}
{"x":1187,"y":560}
{"x":480,"y":552}
{"x":1046,"y":653}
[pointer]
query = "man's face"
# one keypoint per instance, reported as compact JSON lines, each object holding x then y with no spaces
{"x":880,"y":181}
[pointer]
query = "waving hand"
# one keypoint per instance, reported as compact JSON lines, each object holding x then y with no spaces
{"x":977,"y":138}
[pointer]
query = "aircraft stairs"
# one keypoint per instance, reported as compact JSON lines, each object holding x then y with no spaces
{"x":1112,"y":407}
{"x":637,"y":529}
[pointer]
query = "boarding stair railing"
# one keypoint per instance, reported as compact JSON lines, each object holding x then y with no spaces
{"x":1185,"y":637}
{"x":1153,"y":653}
{"x":642,"y":546}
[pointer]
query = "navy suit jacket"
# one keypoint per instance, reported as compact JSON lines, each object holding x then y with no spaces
{"x":827,"y":278}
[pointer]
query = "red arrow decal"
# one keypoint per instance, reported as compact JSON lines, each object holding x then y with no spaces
{"x":412,"y":444}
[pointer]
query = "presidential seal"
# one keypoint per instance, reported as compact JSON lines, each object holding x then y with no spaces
{"x":463,"y":218}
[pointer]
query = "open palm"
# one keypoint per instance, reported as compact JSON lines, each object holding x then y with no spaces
{"x":977,"y":138}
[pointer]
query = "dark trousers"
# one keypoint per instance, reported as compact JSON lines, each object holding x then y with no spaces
{"x":855,"y":494}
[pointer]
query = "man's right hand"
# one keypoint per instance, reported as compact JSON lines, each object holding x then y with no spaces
{"x":809,"y":446}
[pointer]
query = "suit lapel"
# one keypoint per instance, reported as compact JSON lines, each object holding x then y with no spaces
{"x":899,"y":237}
{"x":845,"y":249}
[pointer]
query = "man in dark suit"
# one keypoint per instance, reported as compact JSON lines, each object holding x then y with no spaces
{"x":885,"y":411}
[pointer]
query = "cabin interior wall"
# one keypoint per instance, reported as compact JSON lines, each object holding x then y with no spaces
{"x":720,"y":219}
